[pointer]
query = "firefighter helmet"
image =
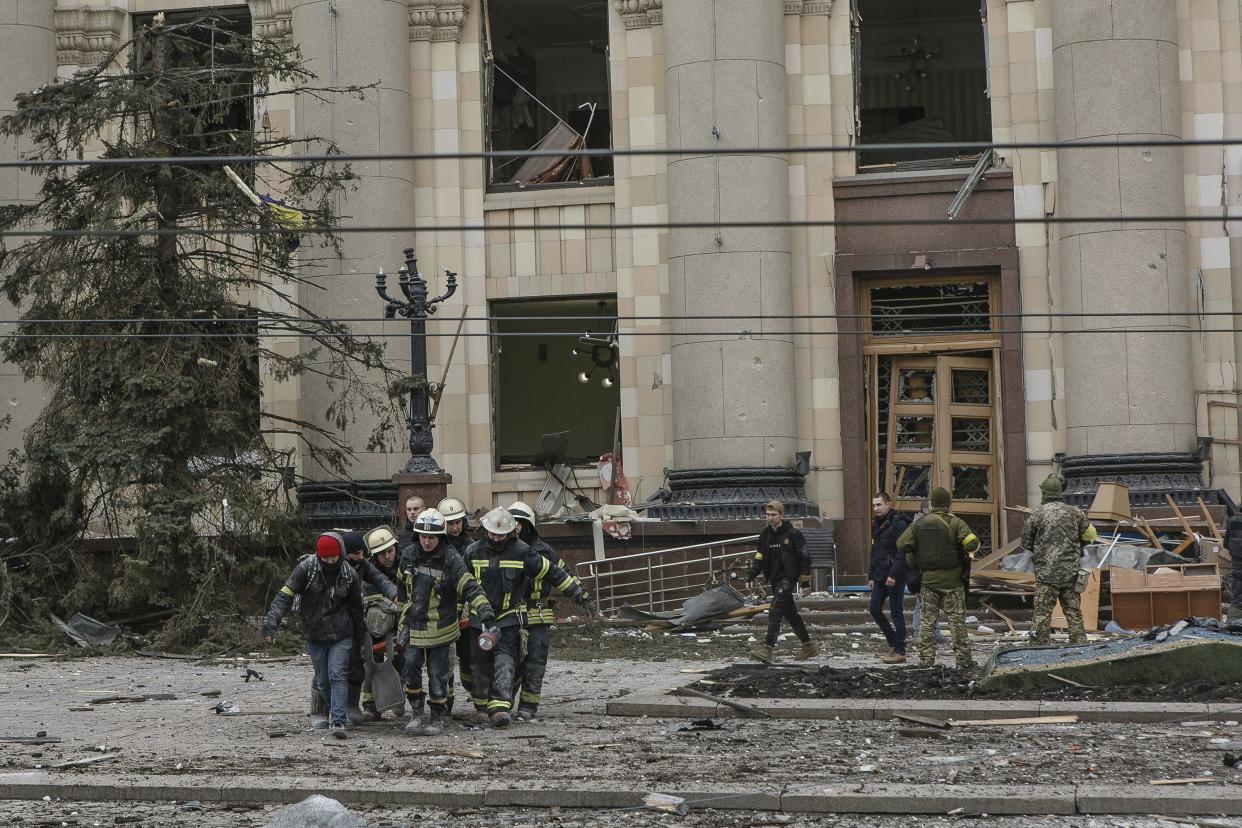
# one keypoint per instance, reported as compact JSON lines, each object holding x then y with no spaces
{"x":429,"y":522}
{"x":379,"y":539}
{"x":521,"y":511}
{"x":452,"y":508}
{"x":499,"y":522}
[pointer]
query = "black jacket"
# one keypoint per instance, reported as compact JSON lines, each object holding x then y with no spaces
{"x":331,"y":603}
{"x":781,"y":555}
{"x":393,"y":575}
{"x":507,"y":575}
{"x":887,"y":561}
{"x":437,"y":582}
{"x":374,"y":582}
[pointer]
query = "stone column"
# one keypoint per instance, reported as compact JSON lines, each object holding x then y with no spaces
{"x":28,"y":42}
{"x":1115,"y":64}
{"x":359,"y":42}
{"x":734,"y":407}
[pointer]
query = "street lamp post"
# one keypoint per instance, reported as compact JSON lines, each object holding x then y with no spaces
{"x":416,"y":308}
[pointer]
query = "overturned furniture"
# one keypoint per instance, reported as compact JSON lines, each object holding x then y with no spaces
{"x":1164,"y":594}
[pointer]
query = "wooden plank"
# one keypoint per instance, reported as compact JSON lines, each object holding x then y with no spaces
{"x":1207,"y":516}
{"x":922,"y":720}
{"x":1145,"y":528}
{"x":1025,"y":720}
{"x":1190,"y":533}
{"x":744,"y":709}
{"x":989,"y":560}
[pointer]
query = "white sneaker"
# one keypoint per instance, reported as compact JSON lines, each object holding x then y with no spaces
{"x":339,"y":731}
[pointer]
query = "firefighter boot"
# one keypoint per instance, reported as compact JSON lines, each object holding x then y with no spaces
{"x":809,"y":650}
{"x":525,"y":713}
{"x":762,"y":653}
{"x":501,"y":718}
{"x":434,"y":725}
{"x":476,"y":717}
{"x":414,"y":727}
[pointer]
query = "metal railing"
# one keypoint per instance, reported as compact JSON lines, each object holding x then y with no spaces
{"x":661,"y":580}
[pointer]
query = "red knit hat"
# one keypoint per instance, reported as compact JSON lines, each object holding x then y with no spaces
{"x":329,"y":545}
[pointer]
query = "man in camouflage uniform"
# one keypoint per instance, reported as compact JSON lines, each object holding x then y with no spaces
{"x":940,"y":545}
{"x":1054,"y":534}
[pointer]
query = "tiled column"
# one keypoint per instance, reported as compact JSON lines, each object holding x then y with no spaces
{"x":364,"y":43}
{"x":29,"y":44}
{"x":733,"y":395}
{"x":1116,"y":69}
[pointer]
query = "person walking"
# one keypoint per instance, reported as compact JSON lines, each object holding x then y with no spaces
{"x":1054,"y":534}
{"x":941,"y":545}
{"x":886,"y":577}
{"x":781,"y":556}
{"x":332,"y":618}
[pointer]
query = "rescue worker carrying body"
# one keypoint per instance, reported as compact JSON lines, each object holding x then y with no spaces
{"x":380,"y":612}
{"x":332,"y":618}
{"x":505,"y":566}
{"x":373,"y":583}
{"x":436,"y":578}
{"x":540,"y":612}
{"x":457,"y":535}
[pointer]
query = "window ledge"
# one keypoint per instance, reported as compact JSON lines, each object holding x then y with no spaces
{"x":561,"y":196}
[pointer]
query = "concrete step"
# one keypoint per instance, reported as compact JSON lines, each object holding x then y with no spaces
{"x":862,"y":617}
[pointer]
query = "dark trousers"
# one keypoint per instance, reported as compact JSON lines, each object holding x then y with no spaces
{"x":465,"y":664}
{"x":784,"y":607}
{"x":436,"y":660}
{"x":535,"y":664}
{"x":894,"y":633}
{"x":493,"y":671}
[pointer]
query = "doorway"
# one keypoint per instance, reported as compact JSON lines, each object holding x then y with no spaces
{"x":935,"y":425}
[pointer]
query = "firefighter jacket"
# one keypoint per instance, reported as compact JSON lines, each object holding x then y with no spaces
{"x":539,"y":606}
{"x":331,"y":602}
{"x":507,"y":574}
{"x":437,"y":582}
{"x":781,"y":555}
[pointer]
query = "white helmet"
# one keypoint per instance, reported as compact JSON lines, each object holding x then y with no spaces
{"x":429,"y":522}
{"x":521,"y":511}
{"x":379,"y":539}
{"x":499,"y":522}
{"x":452,"y":508}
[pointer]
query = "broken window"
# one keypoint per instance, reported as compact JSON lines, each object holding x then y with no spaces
{"x":546,"y":88}
{"x":939,"y":307}
{"x":210,"y":43}
{"x":550,"y":375}
{"x":920,"y":77}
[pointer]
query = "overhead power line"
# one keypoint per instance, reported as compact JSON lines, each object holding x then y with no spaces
{"x":955,"y":148}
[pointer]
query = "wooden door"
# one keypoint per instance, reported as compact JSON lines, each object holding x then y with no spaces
{"x":942,"y":432}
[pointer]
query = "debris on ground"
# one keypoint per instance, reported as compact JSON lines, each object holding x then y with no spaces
{"x":1185,"y":653}
{"x":316,"y":812}
{"x":252,"y":673}
{"x":749,"y":681}
{"x":668,"y":803}
{"x":86,"y":632}
{"x":712,"y":609}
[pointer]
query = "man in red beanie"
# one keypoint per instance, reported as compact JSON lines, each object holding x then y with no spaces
{"x":332,"y":619}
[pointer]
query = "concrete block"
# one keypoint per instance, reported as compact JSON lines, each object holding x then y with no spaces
{"x":585,"y":797}
{"x":930,"y":799}
{"x":731,"y":799}
{"x":955,"y":708}
{"x":844,"y":709}
{"x":661,"y":706}
{"x":1162,"y":799}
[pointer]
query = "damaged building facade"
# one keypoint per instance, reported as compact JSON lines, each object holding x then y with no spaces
{"x":900,"y":356}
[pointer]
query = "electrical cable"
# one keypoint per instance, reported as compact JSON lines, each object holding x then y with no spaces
{"x":969,"y":146}
{"x":585,"y":227}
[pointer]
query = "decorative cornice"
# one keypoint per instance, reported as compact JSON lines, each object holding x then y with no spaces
{"x":639,"y":14}
{"x":271,"y":19}
{"x":85,"y":35}
{"x":437,"y":20}
{"x":805,"y":7}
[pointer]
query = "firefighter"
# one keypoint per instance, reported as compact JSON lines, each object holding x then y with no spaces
{"x":381,"y":613}
{"x":505,"y":567}
{"x":436,"y":579}
{"x":457,"y":535}
{"x":540,"y":613}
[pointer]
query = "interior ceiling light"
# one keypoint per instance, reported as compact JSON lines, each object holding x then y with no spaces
{"x":603,"y":352}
